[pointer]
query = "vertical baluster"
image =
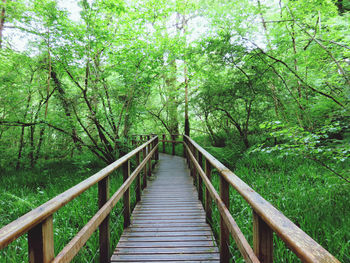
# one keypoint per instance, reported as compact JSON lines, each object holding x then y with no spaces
{"x":149,"y":172}
{"x":184,"y":147}
{"x":173,"y":143}
{"x":157,"y":150}
{"x":164,"y":143}
{"x":144,"y":185}
{"x":262,"y":239}
{"x":126,"y":197}
{"x":193,"y":171}
{"x":207,"y":194}
{"x":104,"y":231}
{"x":200,"y":180}
{"x":41,"y":243}
{"x":138,"y":179}
{"x":224,"y":232}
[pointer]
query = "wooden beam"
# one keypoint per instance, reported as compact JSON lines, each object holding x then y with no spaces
{"x":207,"y":194}
{"x":138,"y":179}
{"x":126,"y":197}
{"x":41,"y":243}
{"x":104,"y":230}
{"x":173,"y":143}
{"x":262,"y":240}
{"x":224,"y":232}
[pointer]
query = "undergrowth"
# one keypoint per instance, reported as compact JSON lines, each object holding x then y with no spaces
{"x":21,"y":191}
{"x":309,"y":195}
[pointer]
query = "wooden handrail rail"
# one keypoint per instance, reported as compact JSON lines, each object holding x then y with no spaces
{"x":242,"y":243}
{"x":297,"y":240}
{"x":72,"y":248}
{"x":42,"y":215}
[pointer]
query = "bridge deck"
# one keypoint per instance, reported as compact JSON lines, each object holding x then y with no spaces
{"x":168,"y":225}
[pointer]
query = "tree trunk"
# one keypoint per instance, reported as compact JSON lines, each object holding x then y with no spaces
{"x":21,"y":140}
{"x":187,"y":122}
{"x":172,"y":102}
{"x":38,"y":148}
{"x":66,"y":107}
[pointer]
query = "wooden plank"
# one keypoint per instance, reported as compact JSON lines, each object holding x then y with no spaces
{"x":164,"y":257}
{"x":166,"y":239}
{"x":167,"y":244}
{"x":173,"y":224}
{"x":167,"y":234}
{"x":168,"y":213}
{"x":168,"y":229}
{"x":166,"y":250}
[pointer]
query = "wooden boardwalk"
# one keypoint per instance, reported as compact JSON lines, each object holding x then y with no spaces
{"x":168,"y":225}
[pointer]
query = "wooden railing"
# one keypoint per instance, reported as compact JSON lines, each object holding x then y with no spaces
{"x":38,"y":223}
{"x":266,"y":218}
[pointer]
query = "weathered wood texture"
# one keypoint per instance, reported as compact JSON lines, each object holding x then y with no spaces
{"x":169,"y":222}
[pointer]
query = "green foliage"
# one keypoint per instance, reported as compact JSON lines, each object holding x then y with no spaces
{"x":264,"y":83}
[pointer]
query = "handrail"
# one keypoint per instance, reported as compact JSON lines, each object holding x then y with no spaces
{"x":241,"y":241}
{"x":266,"y":218}
{"x":39,"y":221}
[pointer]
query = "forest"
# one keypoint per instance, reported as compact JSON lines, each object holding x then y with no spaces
{"x":262,"y":85}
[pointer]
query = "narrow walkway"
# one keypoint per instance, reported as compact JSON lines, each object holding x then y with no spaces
{"x":168,"y":225}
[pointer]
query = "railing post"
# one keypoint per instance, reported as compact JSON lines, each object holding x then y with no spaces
{"x":138,"y":179}
{"x":144,"y":185}
{"x":262,"y":239}
{"x":163,"y":136}
{"x":194,"y":172}
{"x":104,"y":231}
{"x":149,"y":172}
{"x":157,"y":150}
{"x":207,"y":194}
{"x":173,"y":143}
{"x":41,"y":243}
{"x":224,"y":232}
{"x":200,"y":185}
{"x":184,"y":147}
{"x":126,"y":174}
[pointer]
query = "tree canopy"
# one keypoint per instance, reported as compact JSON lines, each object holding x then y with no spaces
{"x":87,"y":76}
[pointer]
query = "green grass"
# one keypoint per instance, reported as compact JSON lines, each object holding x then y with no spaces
{"x":313,"y":199}
{"x":21,"y":191}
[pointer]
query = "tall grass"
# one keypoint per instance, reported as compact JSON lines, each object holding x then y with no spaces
{"x":22,"y":191}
